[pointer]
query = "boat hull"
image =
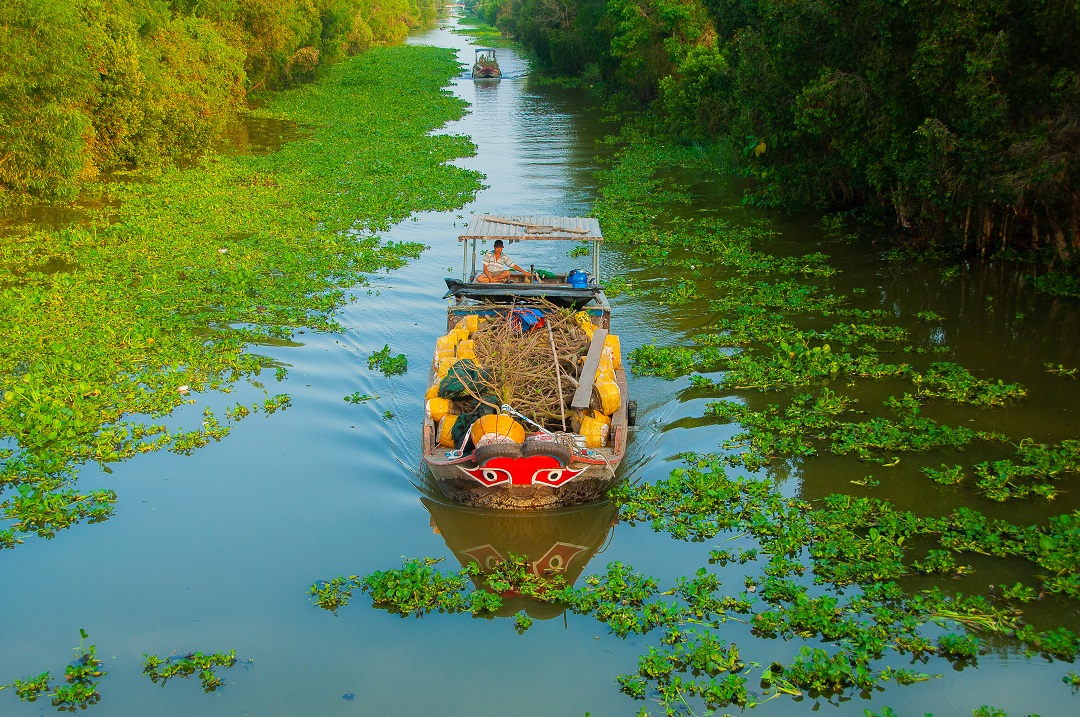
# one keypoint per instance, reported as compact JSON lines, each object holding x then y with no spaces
{"x":529,"y":483}
{"x":458,"y":484}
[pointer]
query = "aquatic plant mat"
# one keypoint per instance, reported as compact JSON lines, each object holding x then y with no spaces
{"x":112,"y":325}
{"x":843,"y":592}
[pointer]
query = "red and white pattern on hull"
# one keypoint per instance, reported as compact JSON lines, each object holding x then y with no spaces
{"x":531,"y":470}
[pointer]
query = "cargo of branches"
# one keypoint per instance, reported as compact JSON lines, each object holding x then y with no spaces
{"x":527,"y":406}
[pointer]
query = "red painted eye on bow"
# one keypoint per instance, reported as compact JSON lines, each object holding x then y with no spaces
{"x":489,"y":476}
{"x":554,"y":476}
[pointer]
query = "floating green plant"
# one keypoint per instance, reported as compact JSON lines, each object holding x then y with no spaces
{"x":1059,"y":370}
{"x":161,"y":670}
{"x":955,"y":383}
{"x":845,"y":540}
{"x":80,"y":682}
{"x":620,"y":286}
{"x":414,"y":589}
{"x":390,"y":365}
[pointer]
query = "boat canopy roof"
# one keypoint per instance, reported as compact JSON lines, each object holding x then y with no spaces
{"x":516,"y":228}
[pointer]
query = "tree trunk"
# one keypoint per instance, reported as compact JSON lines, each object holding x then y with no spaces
{"x":1061,"y":246}
{"x":967,"y":225}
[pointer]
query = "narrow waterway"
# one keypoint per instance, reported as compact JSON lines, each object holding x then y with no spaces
{"x":216,"y":551}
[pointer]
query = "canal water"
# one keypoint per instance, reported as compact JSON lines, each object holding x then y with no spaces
{"x":216,"y":551}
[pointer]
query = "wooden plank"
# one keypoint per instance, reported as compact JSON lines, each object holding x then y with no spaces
{"x":583,"y":395}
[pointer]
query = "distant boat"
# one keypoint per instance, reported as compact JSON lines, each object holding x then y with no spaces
{"x":486,"y":66}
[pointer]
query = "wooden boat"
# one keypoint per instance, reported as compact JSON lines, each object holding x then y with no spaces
{"x":508,"y":458}
{"x":486,"y":66}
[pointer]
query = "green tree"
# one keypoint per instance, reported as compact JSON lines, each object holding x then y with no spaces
{"x":45,"y":83}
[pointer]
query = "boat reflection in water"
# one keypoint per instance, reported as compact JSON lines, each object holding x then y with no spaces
{"x":553,"y":541}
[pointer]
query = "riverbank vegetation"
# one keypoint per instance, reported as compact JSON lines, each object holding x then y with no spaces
{"x":93,"y":86}
{"x":802,"y":371}
{"x":956,"y":123}
{"x":112,"y":325}
{"x":856,"y":588}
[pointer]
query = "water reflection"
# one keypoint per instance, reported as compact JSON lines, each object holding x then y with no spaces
{"x":553,"y":541}
{"x":56,"y":217}
{"x":246,"y":134}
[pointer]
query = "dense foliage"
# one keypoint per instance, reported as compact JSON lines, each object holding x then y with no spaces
{"x":111,"y":326}
{"x":961,"y":121}
{"x":92,"y":85}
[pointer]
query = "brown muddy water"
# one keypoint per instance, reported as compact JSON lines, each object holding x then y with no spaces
{"x":216,"y":551}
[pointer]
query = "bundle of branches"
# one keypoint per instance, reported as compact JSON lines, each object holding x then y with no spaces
{"x":536,"y":371}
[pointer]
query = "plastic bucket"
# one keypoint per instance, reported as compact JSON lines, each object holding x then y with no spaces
{"x":498,"y":428}
{"x":578,"y":279}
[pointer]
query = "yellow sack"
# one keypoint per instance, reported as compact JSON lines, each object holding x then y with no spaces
{"x":443,"y":354}
{"x":497,"y":428}
{"x":446,"y":431}
{"x":612,"y":342}
{"x":605,"y":370}
{"x":596,"y":432}
{"x":608,"y":396}
{"x":444,"y":367}
{"x":466,"y":349}
{"x":437,"y":408}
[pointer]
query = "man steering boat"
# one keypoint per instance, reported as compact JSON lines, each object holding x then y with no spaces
{"x":497,"y":266}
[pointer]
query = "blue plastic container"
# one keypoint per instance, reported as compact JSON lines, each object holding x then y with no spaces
{"x":578,"y":279}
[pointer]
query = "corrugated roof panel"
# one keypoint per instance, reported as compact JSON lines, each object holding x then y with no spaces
{"x":517,"y":227}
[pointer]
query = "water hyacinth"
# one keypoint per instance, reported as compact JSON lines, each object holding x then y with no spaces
{"x":112,"y":325}
{"x":843,"y":577}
